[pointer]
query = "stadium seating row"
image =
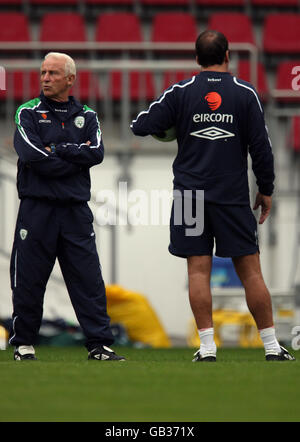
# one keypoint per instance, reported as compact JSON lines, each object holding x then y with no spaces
{"x":142,"y":84}
{"x":281,"y":32}
{"x":229,"y":3}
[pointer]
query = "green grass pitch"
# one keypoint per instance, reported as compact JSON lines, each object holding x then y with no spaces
{"x":153,"y":385}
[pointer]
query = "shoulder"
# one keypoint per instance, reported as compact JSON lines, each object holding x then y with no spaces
{"x":248,"y":89}
{"x":87,"y":109}
{"x":90,"y":115}
{"x":181,"y":84}
{"x":176,"y":88}
{"x":81,"y":108}
{"x":27,"y":106}
{"x":244,"y":85}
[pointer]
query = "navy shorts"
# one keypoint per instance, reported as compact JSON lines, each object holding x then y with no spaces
{"x":231,"y":229}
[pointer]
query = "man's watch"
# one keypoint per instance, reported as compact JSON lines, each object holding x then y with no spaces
{"x":52,"y":147}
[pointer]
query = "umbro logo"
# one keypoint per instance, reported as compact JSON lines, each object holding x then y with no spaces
{"x":212,"y":133}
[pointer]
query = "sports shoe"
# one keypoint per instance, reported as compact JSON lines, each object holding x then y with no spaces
{"x":104,"y":353}
{"x":208,"y":356}
{"x":24,"y":352}
{"x":284,"y":355}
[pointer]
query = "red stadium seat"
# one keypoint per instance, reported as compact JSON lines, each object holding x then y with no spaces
{"x":86,"y":86}
{"x":109,"y":2}
{"x":281,"y":34}
{"x":21,"y":85}
{"x":236,"y":26}
{"x":63,"y":26}
{"x":14,"y":26}
{"x":285,"y":78}
{"x":118,"y":27}
{"x":275,"y":3}
{"x":243,"y":72}
{"x":294,"y":141}
{"x":123,"y":27}
{"x":226,"y":3}
{"x":174,"y":27}
{"x":11,"y":2}
{"x":165,"y":2}
{"x":141,"y":86}
{"x":53,"y":2}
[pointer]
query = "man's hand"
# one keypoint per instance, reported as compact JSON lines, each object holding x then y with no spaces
{"x":49,"y":148}
{"x":266,"y":203}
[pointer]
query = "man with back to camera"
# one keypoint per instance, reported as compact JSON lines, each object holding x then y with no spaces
{"x":218,"y":119}
{"x":57,"y":140}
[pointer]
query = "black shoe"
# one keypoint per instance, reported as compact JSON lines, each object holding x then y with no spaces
{"x":104,"y":353}
{"x":24,"y":352}
{"x":209,"y":356}
{"x":283,"y":355}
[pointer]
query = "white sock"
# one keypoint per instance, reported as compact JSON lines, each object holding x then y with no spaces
{"x":207,"y":342}
{"x":269,"y":340}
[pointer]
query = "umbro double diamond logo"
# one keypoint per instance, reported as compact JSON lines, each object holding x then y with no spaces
{"x":212,"y":133}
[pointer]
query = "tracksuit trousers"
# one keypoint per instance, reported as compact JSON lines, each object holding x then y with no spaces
{"x":47,"y":230}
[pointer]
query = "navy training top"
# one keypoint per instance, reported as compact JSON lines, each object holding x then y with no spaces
{"x":62,"y":175}
{"x":218,"y":119}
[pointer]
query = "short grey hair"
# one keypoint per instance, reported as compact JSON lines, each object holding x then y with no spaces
{"x":70,"y":67}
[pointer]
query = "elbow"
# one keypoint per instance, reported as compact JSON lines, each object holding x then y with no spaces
{"x":98,"y":157}
{"x":100,"y":154}
{"x":134,"y":129}
{"x":138,"y":131}
{"x":30,"y":160}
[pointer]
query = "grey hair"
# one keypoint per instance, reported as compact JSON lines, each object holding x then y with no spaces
{"x":70,"y":67}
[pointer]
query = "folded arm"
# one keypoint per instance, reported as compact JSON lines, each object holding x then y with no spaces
{"x":31,"y":151}
{"x":85,"y":154}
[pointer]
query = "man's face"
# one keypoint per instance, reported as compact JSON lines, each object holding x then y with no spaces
{"x":54,"y":81}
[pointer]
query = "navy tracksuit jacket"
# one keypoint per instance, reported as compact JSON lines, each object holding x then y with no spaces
{"x":218,"y":120}
{"x":54,"y":220}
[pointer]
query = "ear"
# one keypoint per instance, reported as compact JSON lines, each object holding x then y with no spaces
{"x":227,"y":56}
{"x":71,"y":80}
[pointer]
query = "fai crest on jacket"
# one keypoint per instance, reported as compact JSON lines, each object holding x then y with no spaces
{"x":79,"y":122}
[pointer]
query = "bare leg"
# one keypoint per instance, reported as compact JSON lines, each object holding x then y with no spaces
{"x":199,"y":271}
{"x":257,"y":295}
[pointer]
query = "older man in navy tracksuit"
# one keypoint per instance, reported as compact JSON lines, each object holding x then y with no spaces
{"x":57,"y":140}
{"x":218,"y":120}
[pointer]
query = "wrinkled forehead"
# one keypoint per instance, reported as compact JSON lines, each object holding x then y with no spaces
{"x":54,"y":64}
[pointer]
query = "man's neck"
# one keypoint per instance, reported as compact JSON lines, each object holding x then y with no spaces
{"x":216,"y":68}
{"x":57,"y":100}
{"x":60,"y":99}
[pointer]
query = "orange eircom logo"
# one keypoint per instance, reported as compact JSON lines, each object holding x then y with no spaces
{"x":214,"y":100}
